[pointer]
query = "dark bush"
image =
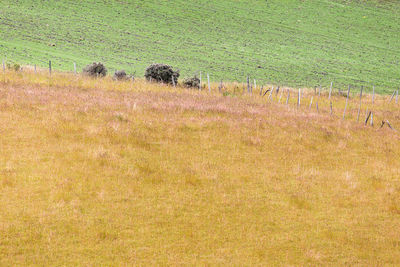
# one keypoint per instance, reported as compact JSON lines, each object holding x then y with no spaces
{"x":14,"y":66}
{"x":161,"y":73}
{"x":193,"y":82}
{"x":95,"y":70}
{"x":121,"y":75}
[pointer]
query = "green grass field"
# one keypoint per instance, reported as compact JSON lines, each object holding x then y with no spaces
{"x":284,"y":42}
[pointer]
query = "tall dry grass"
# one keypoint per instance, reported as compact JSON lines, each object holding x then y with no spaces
{"x":98,"y":172}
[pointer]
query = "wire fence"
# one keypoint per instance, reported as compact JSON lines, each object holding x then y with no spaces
{"x":322,"y":100}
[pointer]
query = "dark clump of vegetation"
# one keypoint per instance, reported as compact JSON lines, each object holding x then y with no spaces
{"x":228,"y":94}
{"x":193,"y":82}
{"x":162,"y":73}
{"x":14,"y":66}
{"x":121,"y":75}
{"x":95,"y":70}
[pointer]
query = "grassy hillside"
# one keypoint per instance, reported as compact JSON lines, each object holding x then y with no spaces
{"x":287,"y":42}
{"x":96,"y":172}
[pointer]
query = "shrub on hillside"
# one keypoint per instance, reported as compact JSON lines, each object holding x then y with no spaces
{"x":14,"y":66}
{"x":193,"y":82}
{"x":121,"y":75}
{"x":95,"y":70}
{"x":161,"y":73}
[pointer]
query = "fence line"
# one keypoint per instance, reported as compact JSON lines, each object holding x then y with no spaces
{"x":369,"y":114}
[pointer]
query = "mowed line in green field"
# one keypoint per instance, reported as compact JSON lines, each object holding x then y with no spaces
{"x":295,"y":43}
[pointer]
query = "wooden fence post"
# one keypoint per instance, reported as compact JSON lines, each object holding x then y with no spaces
{"x":299,"y":98}
{"x":319,"y":94}
{"x":255,"y":85}
{"x":288,"y":96}
{"x":200,"y":82}
{"x":373,"y":94}
{"x":330,"y":100}
{"x":74,"y":68}
{"x":270,"y":93}
{"x":372,"y":118}
{"x":280,"y":97}
{"x":208,"y":78}
{"x":4,"y":71}
{"x":392,"y":96}
{"x":347,"y":100}
{"x":261,"y":89}
{"x":397,"y":96}
{"x":173,"y":81}
{"x":35,"y":68}
{"x":248,"y":84}
{"x":372,"y":106}
{"x":311,"y":102}
{"x":359,"y":107}
{"x":367,"y":117}
{"x":50,"y":67}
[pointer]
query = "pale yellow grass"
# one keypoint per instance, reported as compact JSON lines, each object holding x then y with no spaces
{"x":97,"y":172}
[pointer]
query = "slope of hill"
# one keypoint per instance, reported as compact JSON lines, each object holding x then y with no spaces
{"x":288,"y":42}
{"x":96,"y":172}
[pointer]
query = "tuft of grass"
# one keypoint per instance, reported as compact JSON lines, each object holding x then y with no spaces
{"x":103,"y":172}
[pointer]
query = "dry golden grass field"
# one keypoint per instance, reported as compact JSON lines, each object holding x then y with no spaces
{"x":100,"y":173}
